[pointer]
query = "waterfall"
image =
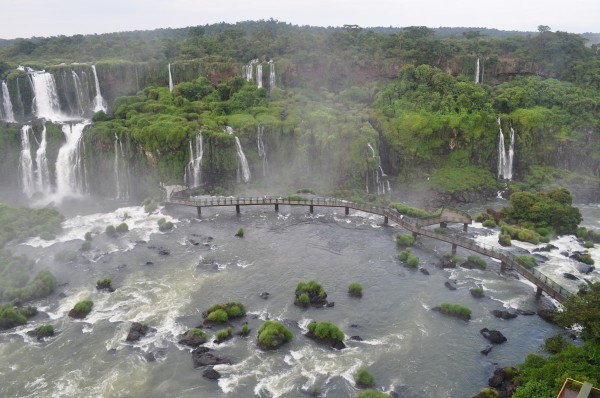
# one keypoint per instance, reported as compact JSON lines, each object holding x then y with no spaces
{"x":259,"y":75}
{"x":261,"y":150}
{"x":242,"y":163}
{"x":79,"y":93}
{"x":505,"y":159}
{"x":45,"y":100}
{"x":379,"y":176}
{"x":42,"y":173}
{"x":271,"y":75}
{"x":170,"y":79}
{"x":116,"y":168}
{"x":7,"y":108}
{"x":477,"y":72}
{"x":121,"y":181}
{"x":69,"y":169}
{"x":26,"y":163}
{"x":99,"y":102}
{"x":193,"y":170}
{"x":247,"y":70}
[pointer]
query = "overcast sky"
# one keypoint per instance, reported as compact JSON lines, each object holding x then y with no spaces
{"x":27,"y":18}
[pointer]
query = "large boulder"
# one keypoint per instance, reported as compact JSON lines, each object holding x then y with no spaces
{"x":211,"y":374}
{"x":192,"y":338}
{"x":493,"y":336}
{"x":548,"y":315}
{"x":449,"y":285}
{"x":503,"y":314}
{"x":137,"y":330}
{"x":202,"y":357}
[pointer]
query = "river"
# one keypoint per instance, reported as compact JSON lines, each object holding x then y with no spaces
{"x":407,"y":347}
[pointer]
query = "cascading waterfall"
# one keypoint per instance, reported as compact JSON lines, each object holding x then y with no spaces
{"x":26,"y":162}
{"x":42,"y":173}
{"x":99,"y":102}
{"x":261,"y":150}
{"x":379,"y":177}
{"x":7,"y":109}
{"x":193,"y":170}
{"x":259,"y":77}
{"x":505,"y":158}
{"x":477,"y":72}
{"x":116,"y":168}
{"x":45,"y":101}
{"x":271,"y":75}
{"x":79,"y":93}
{"x":70,"y":172}
{"x":170,"y":79}
{"x":243,"y":171}
{"x":248,"y":70}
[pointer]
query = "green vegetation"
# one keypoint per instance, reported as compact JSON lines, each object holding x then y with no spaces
{"x":10,"y":316}
{"x":272,"y":335}
{"x":312,"y":289}
{"x":412,"y":261}
{"x":582,"y":309}
{"x":482,"y":217}
{"x":45,"y":330}
{"x":86,"y":246}
{"x":150,"y":207}
{"x":555,"y":344}
{"x":404,"y":254}
{"x":65,"y":256}
{"x":81,"y":309}
{"x":477,"y":261}
{"x":122,"y":228}
{"x":441,"y":230}
{"x":489,"y":223}
{"x":297,"y":198}
{"x":364,"y":378}
{"x":199,"y":332}
{"x":588,"y":235}
{"x":111,"y":231}
{"x":104,"y":282}
{"x":404,"y":239}
{"x":522,"y":234}
{"x":476,"y":292}
{"x":455,"y":310}
{"x":527,"y":261}
{"x":164,"y":225}
{"x":325,"y":330}
{"x":245,"y":329}
{"x":21,"y":223}
{"x":504,"y":240}
{"x":588,"y":244}
{"x":371,"y":394}
{"x":305,"y":190}
{"x":224,"y":312}
{"x":240,"y":233}
{"x":224,"y":334}
{"x":414,"y":211}
{"x":304,"y":299}
{"x":16,"y":281}
{"x":355,"y":289}
{"x":489,"y":393}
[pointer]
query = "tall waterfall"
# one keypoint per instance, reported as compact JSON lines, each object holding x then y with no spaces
{"x":193,"y":170}
{"x":26,"y":162}
{"x":261,"y":150}
{"x":99,"y":102}
{"x":247,"y":70}
{"x":271,"y":75}
{"x":45,"y":100}
{"x":82,"y":100}
{"x":69,"y":169}
{"x":121,"y":176}
{"x":243,"y":171}
{"x":42,"y":173}
{"x":259,"y":76}
{"x":379,"y":177}
{"x":7,"y":108}
{"x":505,"y":158}
{"x":477,"y":72}
{"x":170,"y":79}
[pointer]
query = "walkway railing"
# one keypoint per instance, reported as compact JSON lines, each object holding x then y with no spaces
{"x":414,"y":225}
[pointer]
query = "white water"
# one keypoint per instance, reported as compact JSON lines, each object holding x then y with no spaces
{"x":99,"y":102}
{"x":26,"y":163}
{"x":242,"y":162}
{"x":42,"y":173}
{"x":79,"y":93}
{"x":382,"y":183}
{"x":69,"y":168}
{"x":505,"y":158}
{"x":259,"y":75}
{"x":261,"y":150}
{"x":45,"y":101}
{"x":121,"y":177}
{"x":477,"y":72}
{"x":248,"y":70}
{"x":9,"y":115}
{"x":271,"y":75}
{"x":193,"y":170}
{"x":170,"y":79}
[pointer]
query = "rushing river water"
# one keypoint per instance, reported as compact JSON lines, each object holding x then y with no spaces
{"x":407,"y":347}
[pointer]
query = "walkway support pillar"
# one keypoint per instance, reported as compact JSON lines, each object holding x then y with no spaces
{"x":385,"y":220}
{"x":465,"y":226}
{"x":199,"y":210}
{"x":443,"y":225}
{"x":453,"y":249}
{"x":237,"y":208}
{"x":502,"y":266}
{"x":311,"y":208}
{"x":276,"y":206}
{"x":538,"y":293}
{"x":347,"y":210}
{"x":415,"y":235}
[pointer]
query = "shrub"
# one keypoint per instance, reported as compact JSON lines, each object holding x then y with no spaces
{"x":477,"y":292}
{"x":489,"y":223}
{"x":199,"y":332}
{"x":304,"y":299}
{"x":222,"y":312}
{"x":404,"y":254}
{"x":527,"y":261}
{"x":504,"y":240}
{"x":355,"y":289}
{"x":218,"y":316}
{"x":10,"y":317}
{"x":442,"y":230}
{"x":481,"y":217}
{"x":413,"y":211}
{"x":412,"y":261}
{"x":122,"y":228}
{"x":488,"y":393}
{"x":223,"y":334}
{"x":111,"y":230}
{"x":150,"y":207}
{"x":478,"y":261}
{"x":273,"y":334}
{"x":371,"y":394}
{"x":86,"y":246}
{"x":297,"y":198}
{"x":81,"y":309}
{"x":165,"y":226}
{"x":88,"y":236}
{"x":555,"y":344}
{"x":245,"y":329}
{"x":404,"y":239}
{"x":588,"y":244}
{"x":455,"y":309}
{"x":312,"y":288}
{"x":65,"y":256}
{"x":240,"y":233}
{"x":586,"y":258}
{"x":526,"y":235}
{"x":103,"y":282}
{"x":364,"y":378}
{"x":45,"y":330}
{"x":28,"y":311}
{"x":324,"y":330}
{"x":305,"y":190}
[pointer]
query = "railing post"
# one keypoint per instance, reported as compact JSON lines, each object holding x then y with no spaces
{"x":538,"y":293}
{"x":311,"y":209}
{"x":454,"y":249}
{"x":276,"y":206}
{"x":385,"y":220}
{"x":347,"y":210}
{"x":465,"y":226}
{"x":443,"y":225}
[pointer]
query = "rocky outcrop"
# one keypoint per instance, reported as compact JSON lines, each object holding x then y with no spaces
{"x":494,"y":336}
{"x":211,"y":374}
{"x":192,"y":339}
{"x":572,"y":277}
{"x":503,"y":314}
{"x":548,"y":315}
{"x":105,"y":286}
{"x":333,"y":343}
{"x":449,"y":285}
{"x":201,"y":356}
{"x":424,"y":271}
{"x":137,"y":330}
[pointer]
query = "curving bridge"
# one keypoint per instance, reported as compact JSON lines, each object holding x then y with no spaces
{"x":414,"y":225}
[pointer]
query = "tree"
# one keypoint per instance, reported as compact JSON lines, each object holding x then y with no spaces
{"x":543,"y":28}
{"x":583,"y":309}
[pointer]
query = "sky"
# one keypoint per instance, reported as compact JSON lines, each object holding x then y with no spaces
{"x":43,"y":18}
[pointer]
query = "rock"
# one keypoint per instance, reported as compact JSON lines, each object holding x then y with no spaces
{"x":424,"y":271}
{"x":330,"y":304}
{"x":354,"y":325}
{"x":570,"y":276}
{"x":211,"y":374}
{"x":202,"y":357}
{"x":546,"y":248}
{"x":585,"y":268}
{"x":487,"y":349}
{"x":40,"y":334}
{"x":105,"y":287}
{"x":337,"y":344}
{"x":394,"y":394}
{"x":477,"y":293}
{"x":565,"y":253}
{"x":495,"y":214}
{"x":149,"y":357}
{"x":548,"y":315}
{"x":149,"y":263}
{"x":356,"y":338}
{"x":446,"y":262}
{"x":163,"y":251}
{"x":503,"y":314}
{"x":137,"y":331}
{"x":121,"y":267}
{"x":192,"y":339}
{"x":194,"y":242}
{"x":540,"y":259}
{"x":449,"y":285}
{"x":495,"y":381}
{"x":264,"y":295}
{"x":494,"y":336}
{"x":525,"y":312}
